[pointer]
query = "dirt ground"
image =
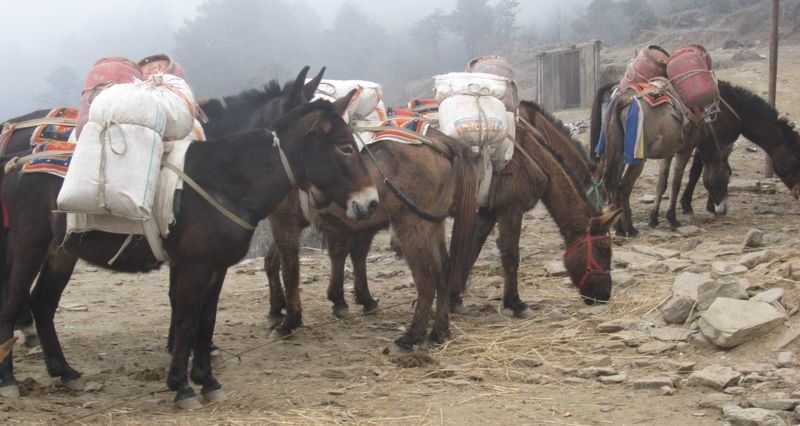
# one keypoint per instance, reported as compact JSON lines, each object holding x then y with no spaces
{"x":495,"y":368}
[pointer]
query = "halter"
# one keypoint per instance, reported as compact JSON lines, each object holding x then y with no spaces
{"x":592,"y":265}
{"x":594,"y":188}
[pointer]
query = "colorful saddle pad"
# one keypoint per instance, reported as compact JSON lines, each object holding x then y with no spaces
{"x":59,"y":131}
{"x":402,"y":129}
{"x":55,"y":159}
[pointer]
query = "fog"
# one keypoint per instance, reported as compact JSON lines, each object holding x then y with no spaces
{"x":49,"y":46}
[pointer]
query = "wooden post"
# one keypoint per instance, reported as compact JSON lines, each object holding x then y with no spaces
{"x":773,"y":74}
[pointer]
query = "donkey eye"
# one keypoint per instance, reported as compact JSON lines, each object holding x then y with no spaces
{"x":346,"y":149}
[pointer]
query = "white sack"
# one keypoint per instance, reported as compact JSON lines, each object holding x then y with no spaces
{"x":114,"y":171}
{"x":129,"y":103}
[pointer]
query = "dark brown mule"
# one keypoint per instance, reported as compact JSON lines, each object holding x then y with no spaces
{"x":439,"y":179}
{"x":243,"y":172}
{"x":742,"y":112}
{"x":666,"y":136}
{"x":538,"y":171}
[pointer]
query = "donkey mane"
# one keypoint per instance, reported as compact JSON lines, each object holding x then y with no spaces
{"x":246,"y":100}
{"x":561,"y":128}
{"x":756,"y":105}
{"x":293,"y":115}
{"x":576,"y":183}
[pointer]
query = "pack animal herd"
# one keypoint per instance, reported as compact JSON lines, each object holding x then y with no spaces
{"x":278,"y":153}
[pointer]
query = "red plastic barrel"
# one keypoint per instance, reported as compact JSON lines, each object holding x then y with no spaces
{"x":106,"y":71}
{"x":648,"y":64}
{"x":691,"y":78}
{"x":697,"y":48}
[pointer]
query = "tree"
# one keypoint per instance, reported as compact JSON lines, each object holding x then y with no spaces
{"x":235,"y":44}
{"x":63,"y":89}
{"x":428,"y":32}
{"x":505,"y":15}
{"x":355,"y":48}
{"x":472,"y":20}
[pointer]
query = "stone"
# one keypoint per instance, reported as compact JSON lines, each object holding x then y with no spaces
{"x":751,"y":260}
{"x":769,"y":296}
{"x":785,"y":359}
{"x":677,"y":366}
{"x":754,"y":238}
{"x":653,"y":382}
{"x":647,"y":199}
{"x":616,"y":325}
{"x":655,"y":348}
{"x":613,"y":379}
{"x":669,"y":334}
{"x":677,"y":310}
{"x":715,"y":400}
{"x":686,"y":284}
{"x":738,"y":416}
{"x":688,"y":230}
{"x":656,"y":252}
{"x":555,"y":268}
{"x":709,"y":291}
{"x":730,"y":322}
{"x":724,"y":268}
{"x":717,"y":377}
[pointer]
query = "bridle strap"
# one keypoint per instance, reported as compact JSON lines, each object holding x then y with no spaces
{"x":592,"y":265}
{"x":276,"y":142}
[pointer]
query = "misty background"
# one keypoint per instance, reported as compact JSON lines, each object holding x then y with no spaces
{"x":226,"y":46}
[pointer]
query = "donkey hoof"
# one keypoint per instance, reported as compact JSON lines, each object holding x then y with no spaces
{"x":10,"y":391}
{"x":370,"y":307}
{"x":274,"y":321}
{"x":190,"y":403}
{"x":459,"y":308}
{"x":526,"y":313}
{"x":186,"y":399}
{"x":341,"y":312}
{"x":214,"y":395}
{"x":77,"y":384}
{"x":277,"y":334}
{"x":394,"y":350}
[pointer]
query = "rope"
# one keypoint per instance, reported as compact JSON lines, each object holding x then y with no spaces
{"x":238,"y":356}
{"x":284,"y":161}
{"x":403,"y":198}
{"x":239,"y":221}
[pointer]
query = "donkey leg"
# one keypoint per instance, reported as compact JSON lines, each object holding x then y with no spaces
{"x":626,"y":188}
{"x":483,"y":227}
{"x":201,"y":361}
{"x":358,"y":255}
{"x":682,"y":158}
{"x":25,"y":320}
{"x":441,"y":323}
{"x":510,"y":226}
{"x":22,"y":271}
{"x":288,"y":242}
{"x":339,"y":246}
{"x":191,"y":287}
{"x":661,"y":187}
{"x":688,"y":191}
{"x":422,"y":243}
{"x":277,"y":300}
{"x":53,"y":278}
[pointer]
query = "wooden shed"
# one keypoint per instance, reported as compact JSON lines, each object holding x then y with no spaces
{"x":567,"y":77}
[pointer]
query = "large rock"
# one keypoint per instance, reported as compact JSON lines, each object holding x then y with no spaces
{"x":709,"y":291}
{"x":686,"y":284}
{"x":730,"y":322}
{"x":714,"y":376}
{"x":738,"y":416}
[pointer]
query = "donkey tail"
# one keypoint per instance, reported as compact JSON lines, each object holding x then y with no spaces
{"x":614,"y":163}
{"x":462,"y":241}
{"x":597,"y":118}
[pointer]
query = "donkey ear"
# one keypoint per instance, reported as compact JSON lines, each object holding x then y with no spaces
{"x":601,"y":224}
{"x":297,"y":86}
{"x":343,"y":102}
{"x":311,"y":87}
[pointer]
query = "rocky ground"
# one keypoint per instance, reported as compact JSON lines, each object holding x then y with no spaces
{"x":620,"y":363}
